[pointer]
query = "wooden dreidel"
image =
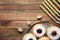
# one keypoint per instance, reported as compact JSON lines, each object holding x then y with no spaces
{"x":28,"y":23}
{"x":39,"y":17}
{"x":20,"y":30}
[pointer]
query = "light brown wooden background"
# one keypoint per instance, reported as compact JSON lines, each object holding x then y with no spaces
{"x":18,"y":12}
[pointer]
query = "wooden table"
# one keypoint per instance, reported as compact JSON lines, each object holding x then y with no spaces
{"x":18,"y":12}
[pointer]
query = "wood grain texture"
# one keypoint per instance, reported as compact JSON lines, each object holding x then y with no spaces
{"x":18,"y":12}
{"x":20,"y":19}
{"x":11,"y":38}
{"x":20,"y":8}
{"x":11,"y":34}
{"x":23,"y":16}
{"x":21,"y":1}
{"x":20,"y":5}
{"x":17,"y":24}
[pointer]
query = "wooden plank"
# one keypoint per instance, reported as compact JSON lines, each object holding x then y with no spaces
{"x":11,"y":1}
{"x":11,"y":32}
{"x":23,"y":16}
{"x":20,"y":8}
{"x":11,"y":38}
{"x":16,"y":24}
{"x":14,"y":38}
{"x":23,"y":24}
{"x":21,"y":1}
{"x":34,"y":1}
{"x":8,"y":32}
{"x":28,"y":11}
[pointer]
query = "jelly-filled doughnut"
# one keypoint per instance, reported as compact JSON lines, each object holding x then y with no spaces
{"x":29,"y":36}
{"x":44,"y":38}
{"x":38,"y":30}
{"x":53,"y":32}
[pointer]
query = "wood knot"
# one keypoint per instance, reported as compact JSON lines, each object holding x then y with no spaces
{"x":5,"y":23}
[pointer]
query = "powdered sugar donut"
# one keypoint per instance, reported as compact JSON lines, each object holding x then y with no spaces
{"x":44,"y":38}
{"x":29,"y":36}
{"x":53,"y":32}
{"x":38,"y":30}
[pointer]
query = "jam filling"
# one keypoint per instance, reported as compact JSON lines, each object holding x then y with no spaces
{"x":30,"y":39}
{"x":39,"y":31}
{"x":54,"y":33}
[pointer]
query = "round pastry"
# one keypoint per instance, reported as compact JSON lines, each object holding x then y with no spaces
{"x":53,"y":32}
{"x":29,"y":36}
{"x":44,"y":38}
{"x":38,"y":30}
